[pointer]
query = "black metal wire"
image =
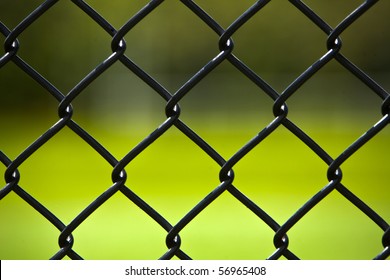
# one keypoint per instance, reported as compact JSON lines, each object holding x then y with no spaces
{"x":173,"y":113}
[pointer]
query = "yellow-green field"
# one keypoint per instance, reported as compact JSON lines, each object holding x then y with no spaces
{"x":173,"y":175}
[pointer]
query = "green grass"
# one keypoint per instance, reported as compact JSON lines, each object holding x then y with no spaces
{"x":173,"y":175}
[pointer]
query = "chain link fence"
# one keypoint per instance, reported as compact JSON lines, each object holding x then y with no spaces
{"x":171,"y":107}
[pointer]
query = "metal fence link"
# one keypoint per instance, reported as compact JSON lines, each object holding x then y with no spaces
{"x":173,"y":119}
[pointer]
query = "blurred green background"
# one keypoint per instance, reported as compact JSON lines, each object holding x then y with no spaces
{"x":225,"y":109}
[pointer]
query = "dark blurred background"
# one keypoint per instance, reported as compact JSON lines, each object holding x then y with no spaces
{"x":279,"y":43}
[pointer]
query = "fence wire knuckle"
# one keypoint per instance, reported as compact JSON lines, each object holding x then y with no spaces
{"x":224,"y":48}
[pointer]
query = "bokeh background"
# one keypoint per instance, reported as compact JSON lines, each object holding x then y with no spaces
{"x":225,"y":109}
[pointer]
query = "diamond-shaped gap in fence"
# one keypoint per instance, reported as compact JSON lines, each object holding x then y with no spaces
{"x":172,"y":175}
{"x":72,"y":47}
{"x":227,"y":230}
{"x":65,"y":175}
{"x":118,"y":229}
{"x":27,"y":234}
{"x":171,"y":52}
{"x":340,"y":108}
{"x":335,"y":229}
{"x":119,"y":110}
{"x":279,"y":50}
{"x":226,"y":109}
{"x":280,"y":174}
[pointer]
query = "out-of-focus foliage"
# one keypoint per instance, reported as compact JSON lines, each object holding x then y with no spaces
{"x":65,"y":44}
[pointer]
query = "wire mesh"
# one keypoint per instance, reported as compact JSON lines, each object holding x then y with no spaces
{"x":121,"y":183}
